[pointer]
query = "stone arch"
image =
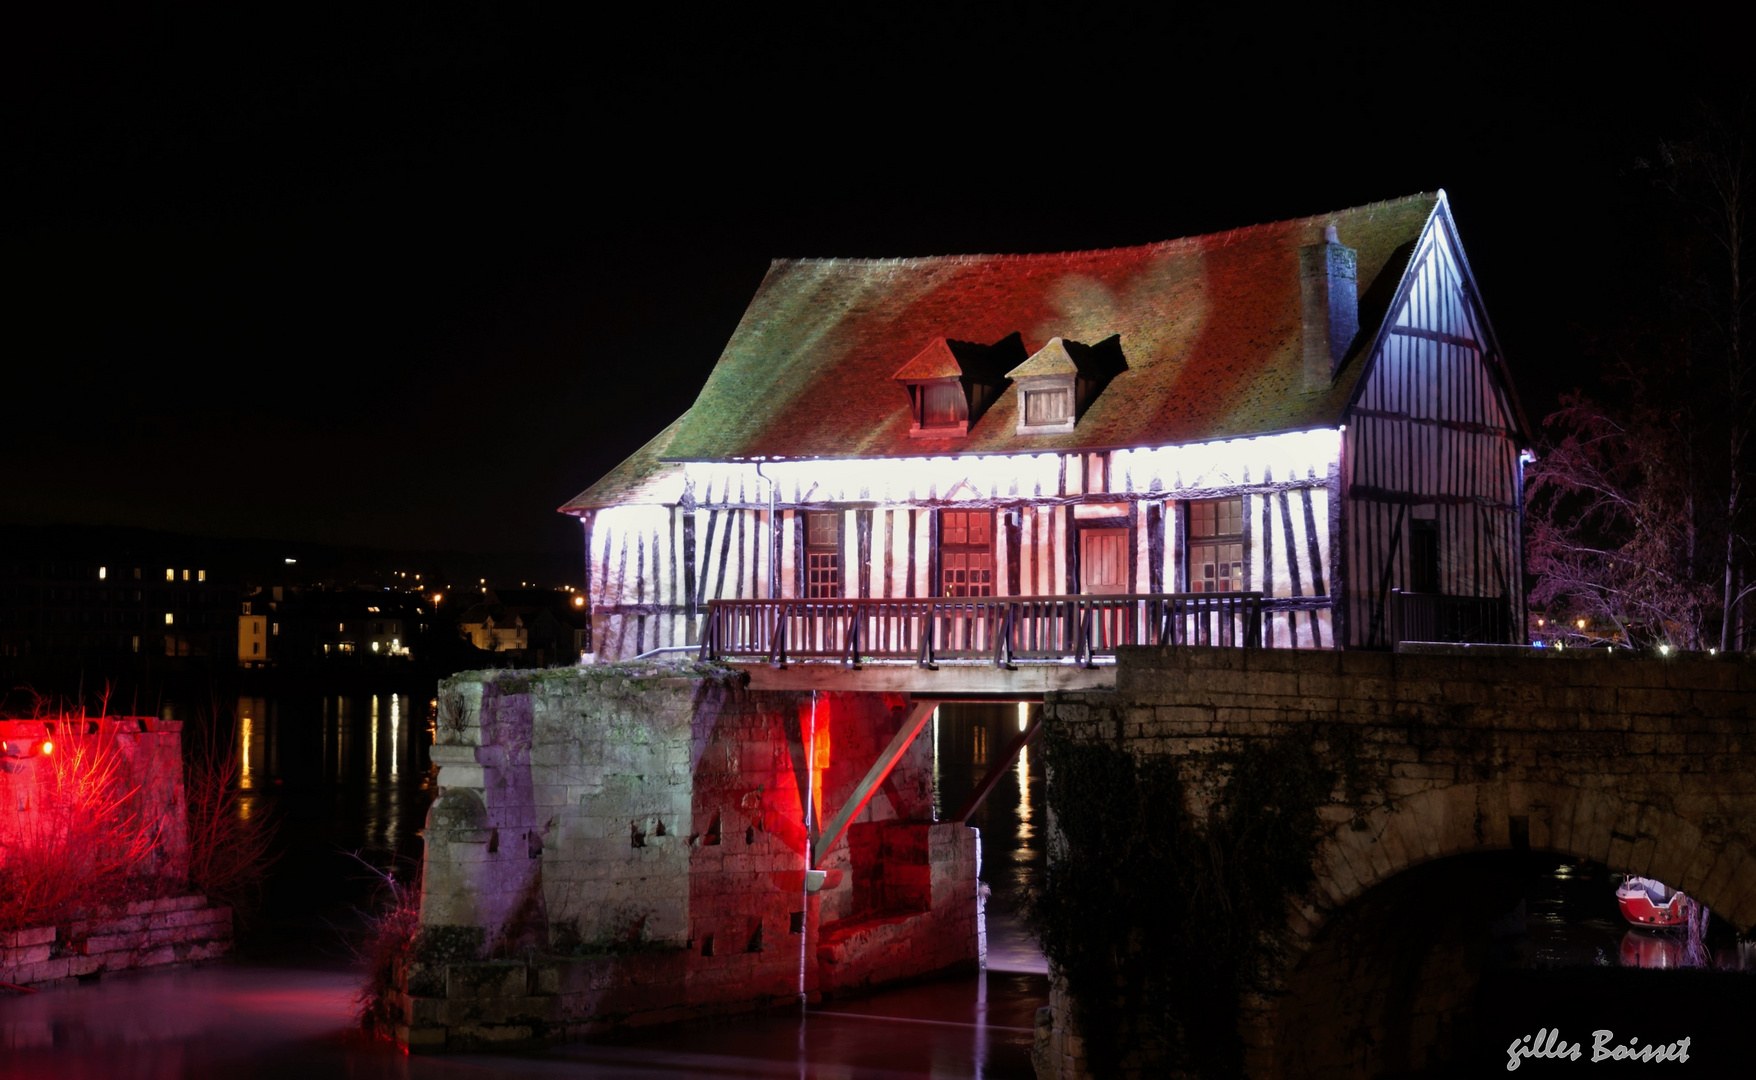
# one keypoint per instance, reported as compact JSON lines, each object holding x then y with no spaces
{"x":1626,"y":835}
{"x":1403,"y":840}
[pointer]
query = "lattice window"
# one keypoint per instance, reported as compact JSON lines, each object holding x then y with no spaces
{"x":966,"y":553}
{"x":822,"y":555}
{"x":1216,"y":545}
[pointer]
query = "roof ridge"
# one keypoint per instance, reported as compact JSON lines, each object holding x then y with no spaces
{"x":1023,"y":256}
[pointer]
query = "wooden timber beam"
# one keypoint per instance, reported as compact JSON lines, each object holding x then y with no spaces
{"x":1439,"y":336}
{"x":912,"y":722}
{"x":997,"y":770}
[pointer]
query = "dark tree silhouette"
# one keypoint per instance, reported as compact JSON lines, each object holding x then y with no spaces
{"x":1639,"y":518}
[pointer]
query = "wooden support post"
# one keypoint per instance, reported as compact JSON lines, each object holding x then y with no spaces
{"x":912,"y":723}
{"x":997,"y":770}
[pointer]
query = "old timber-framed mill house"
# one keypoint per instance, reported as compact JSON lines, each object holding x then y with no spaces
{"x":1297,"y":434}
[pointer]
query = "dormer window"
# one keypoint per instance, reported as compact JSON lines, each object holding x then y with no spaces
{"x":940,"y":408}
{"x":951,"y":383}
{"x":1060,"y":381}
{"x":1048,"y":406}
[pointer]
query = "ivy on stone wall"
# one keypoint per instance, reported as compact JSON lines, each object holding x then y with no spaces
{"x":1157,"y":917}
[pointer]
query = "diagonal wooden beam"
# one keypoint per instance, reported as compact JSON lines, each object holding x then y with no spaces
{"x":919,"y":711}
{"x":997,"y":770}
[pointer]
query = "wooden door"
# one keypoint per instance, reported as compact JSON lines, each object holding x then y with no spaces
{"x":1103,"y":571}
{"x":1103,"y":561}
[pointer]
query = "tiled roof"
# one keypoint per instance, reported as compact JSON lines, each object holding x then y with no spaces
{"x":1052,"y":359}
{"x":643,"y":477}
{"x":1061,"y":357}
{"x":936,"y":361}
{"x":1209,"y":325}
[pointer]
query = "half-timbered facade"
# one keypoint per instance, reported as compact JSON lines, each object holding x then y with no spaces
{"x":1313,"y":413}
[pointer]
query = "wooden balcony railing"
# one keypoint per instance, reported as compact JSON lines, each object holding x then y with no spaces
{"x":1436,"y":617}
{"x":1000,"y":628}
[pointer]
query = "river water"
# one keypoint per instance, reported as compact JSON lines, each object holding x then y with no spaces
{"x":346,"y":779}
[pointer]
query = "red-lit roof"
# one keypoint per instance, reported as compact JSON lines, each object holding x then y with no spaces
{"x":936,"y":361}
{"x":1209,"y":325}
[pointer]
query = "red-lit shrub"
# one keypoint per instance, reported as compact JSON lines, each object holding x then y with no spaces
{"x":389,"y":944}
{"x":82,"y":837}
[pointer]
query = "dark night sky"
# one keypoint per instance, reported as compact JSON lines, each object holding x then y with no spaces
{"x":414,"y":282}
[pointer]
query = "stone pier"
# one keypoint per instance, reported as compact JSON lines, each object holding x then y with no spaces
{"x":627,"y":844}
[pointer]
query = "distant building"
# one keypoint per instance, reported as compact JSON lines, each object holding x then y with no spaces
{"x":494,"y":631}
{"x":253,"y":634}
{"x":540,"y":626}
{"x":305,"y":625}
{"x":362,"y":624}
{"x":116,"y":609}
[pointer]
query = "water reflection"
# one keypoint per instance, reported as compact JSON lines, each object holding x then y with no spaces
{"x":246,"y":735}
{"x":968,"y":738}
{"x":225,"y":1021}
{"x":341,"y":774}
{"x":1651,"y":949}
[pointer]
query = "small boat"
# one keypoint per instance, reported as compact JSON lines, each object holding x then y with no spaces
{"x":1651,"y":904}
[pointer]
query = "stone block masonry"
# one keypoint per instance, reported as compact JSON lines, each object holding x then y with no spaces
{"x":110,"y":789}
{"x":148,"y":933}
{"x":1647,"y":765}
{"x":623,"y":845}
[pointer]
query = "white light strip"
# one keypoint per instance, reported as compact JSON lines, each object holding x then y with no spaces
{"x":1026,"y":477}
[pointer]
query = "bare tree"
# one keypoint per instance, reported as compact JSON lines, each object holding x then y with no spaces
{"x":1609,"y":530}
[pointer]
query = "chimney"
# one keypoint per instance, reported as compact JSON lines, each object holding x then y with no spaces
{"x":1331,"y":307}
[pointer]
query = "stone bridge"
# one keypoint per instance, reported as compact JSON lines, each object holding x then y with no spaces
{"x":1647,"y":765}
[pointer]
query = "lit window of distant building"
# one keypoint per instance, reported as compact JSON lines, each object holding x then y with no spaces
{"x":201,"y":575}
{"x":103,"y":572}
{"x":169,"y":618}
{"x":274,"y":628}
{"x":170,"y":575}
{"x":136,"y":642}
{"x":185,"y":575}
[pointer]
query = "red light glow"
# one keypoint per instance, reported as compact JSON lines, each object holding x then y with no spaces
{"x":48,"y":747}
